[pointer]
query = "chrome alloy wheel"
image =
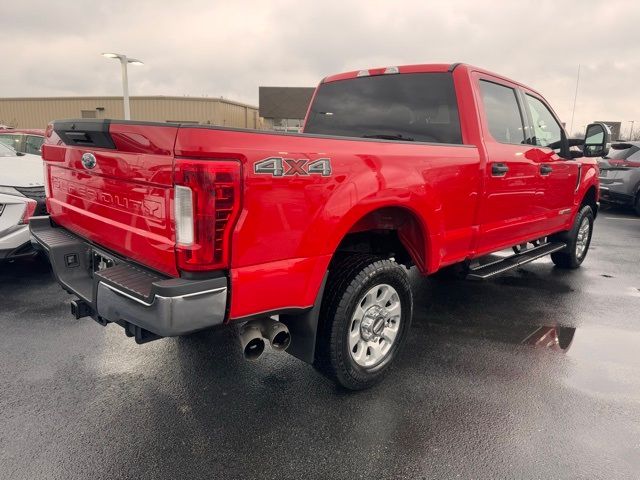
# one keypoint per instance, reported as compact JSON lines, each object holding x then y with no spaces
{"x":582,"y":240}
{"x":375,"y":325}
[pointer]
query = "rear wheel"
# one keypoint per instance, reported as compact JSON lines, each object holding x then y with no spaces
{"x":636,"y":205}
{"x":578,"y":240}
{"x":366,"y":313}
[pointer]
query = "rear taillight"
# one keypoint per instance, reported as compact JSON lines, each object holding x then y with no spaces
{"x":29,"y":209}
{"x":206,"y":205}
{"x":183,"y":214}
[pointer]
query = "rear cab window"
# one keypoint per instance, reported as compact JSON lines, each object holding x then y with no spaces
{"x":624,"y":151}
{"x":419,"y":107}
{"x":621,"y":155}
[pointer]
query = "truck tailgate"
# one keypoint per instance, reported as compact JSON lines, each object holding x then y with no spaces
{"x":113,"y":185}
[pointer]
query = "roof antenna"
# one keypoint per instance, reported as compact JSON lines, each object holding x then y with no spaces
{"x":575,"y":98}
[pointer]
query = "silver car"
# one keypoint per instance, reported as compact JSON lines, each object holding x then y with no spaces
{"x":21,"y":197}
{"x":620,"y":175}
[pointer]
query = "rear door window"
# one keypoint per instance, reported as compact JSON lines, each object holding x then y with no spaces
{"x":419,"y":107}
{"x":502,"y":112}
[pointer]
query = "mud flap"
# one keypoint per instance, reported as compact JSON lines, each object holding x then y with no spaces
{"x":303,"y":328}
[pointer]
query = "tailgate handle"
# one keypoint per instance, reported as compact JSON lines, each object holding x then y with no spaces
{"x":499,"y":169}
{"x":545,"y":169}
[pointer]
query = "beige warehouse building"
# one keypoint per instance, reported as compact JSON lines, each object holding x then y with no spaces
{"x":37,"y":112}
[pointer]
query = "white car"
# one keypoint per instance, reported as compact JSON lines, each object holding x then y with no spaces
{"x":21,"y":197}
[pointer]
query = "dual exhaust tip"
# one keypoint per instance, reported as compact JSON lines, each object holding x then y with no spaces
{"x":255,"y":334}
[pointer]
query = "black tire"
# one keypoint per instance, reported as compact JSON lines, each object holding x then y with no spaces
{"x":568,"y":257}
{"x":350,"y":278}
{"x":636,"y":205}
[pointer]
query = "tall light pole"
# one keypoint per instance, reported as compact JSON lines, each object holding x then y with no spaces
{"x":631,"y":129}
{"x":124,"y":61}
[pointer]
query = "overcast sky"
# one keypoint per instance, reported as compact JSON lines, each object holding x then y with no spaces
{"x":229,"y":48}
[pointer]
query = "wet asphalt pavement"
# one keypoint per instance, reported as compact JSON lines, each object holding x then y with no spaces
{"x":470,"y":398}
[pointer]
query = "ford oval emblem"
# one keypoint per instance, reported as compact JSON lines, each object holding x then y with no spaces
{"x":89,"y":160}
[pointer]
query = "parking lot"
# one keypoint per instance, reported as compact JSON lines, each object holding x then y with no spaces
{"x":471,"y":396}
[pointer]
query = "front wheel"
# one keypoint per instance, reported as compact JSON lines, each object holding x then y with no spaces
{"x":578,"y":240}
{"x":365,"y":318}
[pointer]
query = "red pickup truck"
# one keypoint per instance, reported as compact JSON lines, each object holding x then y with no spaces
{"x":305,"y":239}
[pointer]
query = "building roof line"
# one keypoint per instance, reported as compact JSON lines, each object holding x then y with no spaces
{"x":133,"y":97}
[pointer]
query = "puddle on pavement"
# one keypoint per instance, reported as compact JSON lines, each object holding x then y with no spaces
{"x":597,"y":361}
{"x":558,"y":338}
{"x":605,"y":362}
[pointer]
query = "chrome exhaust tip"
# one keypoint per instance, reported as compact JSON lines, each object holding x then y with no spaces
{"x":251,"y":342}
{"x":276,"y":333}
{"x":254,"y":334}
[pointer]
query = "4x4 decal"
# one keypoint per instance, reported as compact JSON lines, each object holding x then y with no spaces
{"x":286,"y":167}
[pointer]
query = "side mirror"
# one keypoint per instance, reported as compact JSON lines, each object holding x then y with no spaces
{"x":596,"y":140}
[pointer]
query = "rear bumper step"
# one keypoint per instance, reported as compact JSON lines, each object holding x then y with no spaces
{"x":127,"y":293}
{"x":514,"y":261}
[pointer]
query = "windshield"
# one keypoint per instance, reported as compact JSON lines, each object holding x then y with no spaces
{"x":6,"y":151}
{"x":10,"y":140}
{"x":408,"y":107}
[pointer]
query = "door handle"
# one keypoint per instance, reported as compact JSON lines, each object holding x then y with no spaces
{"x":545,"y":169}
{"x":499,"y":169}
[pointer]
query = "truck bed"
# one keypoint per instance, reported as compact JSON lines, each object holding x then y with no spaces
{"x":288,"y":226}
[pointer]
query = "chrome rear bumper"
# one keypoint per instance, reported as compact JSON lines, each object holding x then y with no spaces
{"x":127,"y":293}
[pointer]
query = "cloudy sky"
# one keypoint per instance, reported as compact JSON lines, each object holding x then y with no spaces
{"x":229,"y":48}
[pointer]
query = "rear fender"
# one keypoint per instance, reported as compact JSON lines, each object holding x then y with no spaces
{"x":356,"y":202}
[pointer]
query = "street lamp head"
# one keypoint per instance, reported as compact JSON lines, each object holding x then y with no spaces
{"x":124,"y":62}
{"x":123,"y":58}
